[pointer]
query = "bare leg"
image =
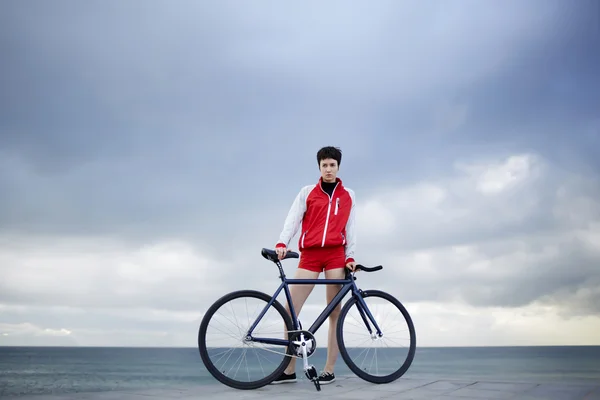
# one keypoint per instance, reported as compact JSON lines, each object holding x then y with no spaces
{"x":332,"y":290}
{"x":299,"y":295}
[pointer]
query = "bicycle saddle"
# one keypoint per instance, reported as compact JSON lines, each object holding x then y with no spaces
{"x":271,"y":255}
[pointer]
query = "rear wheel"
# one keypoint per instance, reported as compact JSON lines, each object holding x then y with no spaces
{"x":376,"y":359}
{"x":234,"y":361}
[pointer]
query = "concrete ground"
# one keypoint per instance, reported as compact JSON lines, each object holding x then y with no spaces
{"x":353,"y":388}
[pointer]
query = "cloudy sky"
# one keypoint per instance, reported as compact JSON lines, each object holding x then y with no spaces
{"x":149,"y":150}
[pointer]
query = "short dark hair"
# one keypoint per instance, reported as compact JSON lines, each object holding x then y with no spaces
{"x":329,"y":152}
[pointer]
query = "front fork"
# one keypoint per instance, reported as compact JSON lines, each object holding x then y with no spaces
{"x":363,"y":310}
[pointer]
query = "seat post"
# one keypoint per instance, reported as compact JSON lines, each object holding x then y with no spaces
{"x":281,"y":272}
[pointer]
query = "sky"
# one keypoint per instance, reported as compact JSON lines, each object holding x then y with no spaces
{"x":149,"y":150}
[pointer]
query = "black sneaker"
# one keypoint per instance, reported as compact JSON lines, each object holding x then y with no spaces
{"x":284,"y":378}
{"x":326,"y":378}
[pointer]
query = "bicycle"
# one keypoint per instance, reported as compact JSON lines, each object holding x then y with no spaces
{"x":293,"y":340}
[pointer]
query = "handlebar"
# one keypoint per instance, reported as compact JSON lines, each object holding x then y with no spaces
{"x":368,"y":269}
{"x":272,"y":256}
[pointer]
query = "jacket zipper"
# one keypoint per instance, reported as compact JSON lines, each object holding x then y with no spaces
{"x":337,"y":205}
{"x":328,"y":211}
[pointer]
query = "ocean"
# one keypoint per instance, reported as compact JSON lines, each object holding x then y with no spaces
{"x":56,"y":370}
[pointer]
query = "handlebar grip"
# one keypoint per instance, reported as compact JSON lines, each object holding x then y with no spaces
{"x":369,"y":269}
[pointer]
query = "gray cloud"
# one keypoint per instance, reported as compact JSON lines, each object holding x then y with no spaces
{"x":534,"y":241}
{"x":117,"y":127}
{"x":123,"y":128}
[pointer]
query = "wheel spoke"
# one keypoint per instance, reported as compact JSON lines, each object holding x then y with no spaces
{"x":226,"y":353}
{"x":359,"y":348}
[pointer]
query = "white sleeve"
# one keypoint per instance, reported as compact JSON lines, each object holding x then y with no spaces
{"x":294,"y":217}
{"x":351,"y":228}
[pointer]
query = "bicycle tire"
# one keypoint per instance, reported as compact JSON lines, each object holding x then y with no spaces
{"x":344,"y":352}
{"x":204,"y":351}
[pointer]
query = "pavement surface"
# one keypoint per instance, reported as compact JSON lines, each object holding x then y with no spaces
{"x":353,"y":388}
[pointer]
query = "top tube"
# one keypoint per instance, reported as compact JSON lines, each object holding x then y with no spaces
{"x":318,"y":281}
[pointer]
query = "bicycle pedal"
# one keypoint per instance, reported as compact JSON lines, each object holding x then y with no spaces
{"x":317,"y":385}
{"x":311,"y":373}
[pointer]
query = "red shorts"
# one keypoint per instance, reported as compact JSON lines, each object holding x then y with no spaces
{"x":318,"y":259}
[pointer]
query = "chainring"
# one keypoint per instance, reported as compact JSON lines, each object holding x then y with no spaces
{"x":309,"y":341}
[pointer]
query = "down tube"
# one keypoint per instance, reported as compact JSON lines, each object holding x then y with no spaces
{"x":334,"y":302}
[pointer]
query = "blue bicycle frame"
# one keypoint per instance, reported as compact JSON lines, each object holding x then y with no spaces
{"x":348,"y":285}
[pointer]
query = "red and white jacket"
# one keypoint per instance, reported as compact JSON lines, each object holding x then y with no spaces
{"x":325,"y":221}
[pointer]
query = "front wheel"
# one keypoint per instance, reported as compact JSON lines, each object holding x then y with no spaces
{"x":373,"y":358}
{"x":228,"y":356}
